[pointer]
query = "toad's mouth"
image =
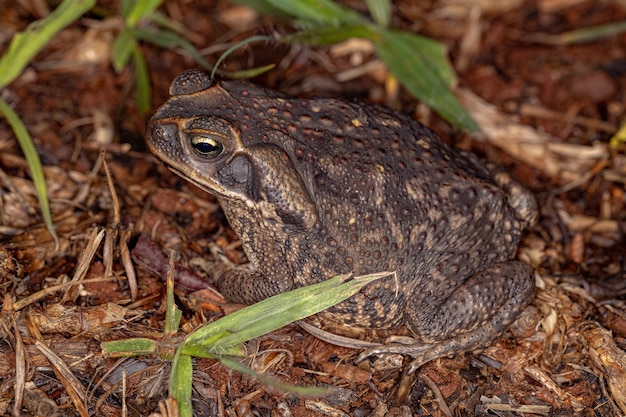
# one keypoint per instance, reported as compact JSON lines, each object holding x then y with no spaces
{"x":207,"y":184}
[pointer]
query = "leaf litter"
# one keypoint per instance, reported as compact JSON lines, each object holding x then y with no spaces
{"x":564,"y":356}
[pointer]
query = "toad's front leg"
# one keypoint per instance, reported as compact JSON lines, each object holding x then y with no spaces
{"x":244,"y":285}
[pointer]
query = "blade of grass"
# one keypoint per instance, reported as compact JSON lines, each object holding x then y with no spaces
{"x":25,"y":45}
{"x":409,"y":58}
{"x":263,"y":7}
{"x":129,"y":347}
{"x":318,"y":11}
{"x":590,"y":34}
{"x":34,"y":163}
{"x":163,"y":21}
{"x":249,"y":73}
{"x":173,"y":314}
{"x":238,"y":45}
{"x":143,"y":90}
{"x":122,"y":49}
{"x":138,"y":10}
{"x":180,"y":383}
{"x":331,"y":35}
{"x":259,"y":311}
{"x":619,"y":137}
{"x":433,"y":54}
{"x":274,"y":313}
{"x":22,"y":49}
{"x":168,"y":40}
{"x":380,"y":11}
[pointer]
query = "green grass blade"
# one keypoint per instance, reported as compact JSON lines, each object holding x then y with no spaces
{"x":258,"y":312}
{"x":125,"y":6}
{"x":164,"y":22}
{"x":129,"y":347}
{"x":209,"y":349}
{"x":275,"y":312}
{"x":619,"y":137}
{"x":34,"y":163}
{"x":262,"y":6}
{"x":248,"y":73}
{"x":591,"y":34}
{"x":433,"y":53}
{"x":180,"y":383}
{"x":168,"y":40}
{"x":422,"y":71}
{"x":139,"y":9}
{"x":22,"y":49}
{"x":122,"y":49}
{"x":143,"y":90}
{"x":331,"y":35}
{"x":318,"y":11}
{"x":25,"y":45}
{"x":380,"y":11}
{"x":173,"y":314}
{"x":238,"y":45}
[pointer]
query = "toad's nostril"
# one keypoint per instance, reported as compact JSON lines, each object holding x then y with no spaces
{"x":164,"y":132}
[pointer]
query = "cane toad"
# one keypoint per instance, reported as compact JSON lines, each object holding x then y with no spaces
{"x":320,"y":187}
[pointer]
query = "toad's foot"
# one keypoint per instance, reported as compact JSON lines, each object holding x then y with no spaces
{"x":423,"y":352}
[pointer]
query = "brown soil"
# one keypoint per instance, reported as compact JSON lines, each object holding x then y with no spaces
{"x":547,"y":111}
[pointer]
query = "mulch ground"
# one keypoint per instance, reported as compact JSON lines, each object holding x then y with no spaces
{"x":547,"y":112}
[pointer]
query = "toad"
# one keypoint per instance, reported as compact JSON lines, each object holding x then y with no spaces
{"x":319,"y":187}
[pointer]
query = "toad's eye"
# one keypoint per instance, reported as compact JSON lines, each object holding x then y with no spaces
{"x":206,"y":147}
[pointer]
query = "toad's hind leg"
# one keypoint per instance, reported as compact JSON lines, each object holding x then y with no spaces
{"x":471,"y":318}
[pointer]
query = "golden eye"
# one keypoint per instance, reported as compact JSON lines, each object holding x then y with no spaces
{"x":206,"y":146}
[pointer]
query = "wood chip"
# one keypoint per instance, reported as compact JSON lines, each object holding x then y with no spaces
{"x":609,"y":358}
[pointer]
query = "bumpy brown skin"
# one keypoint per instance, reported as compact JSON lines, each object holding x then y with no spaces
{"x":320,"y":187}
